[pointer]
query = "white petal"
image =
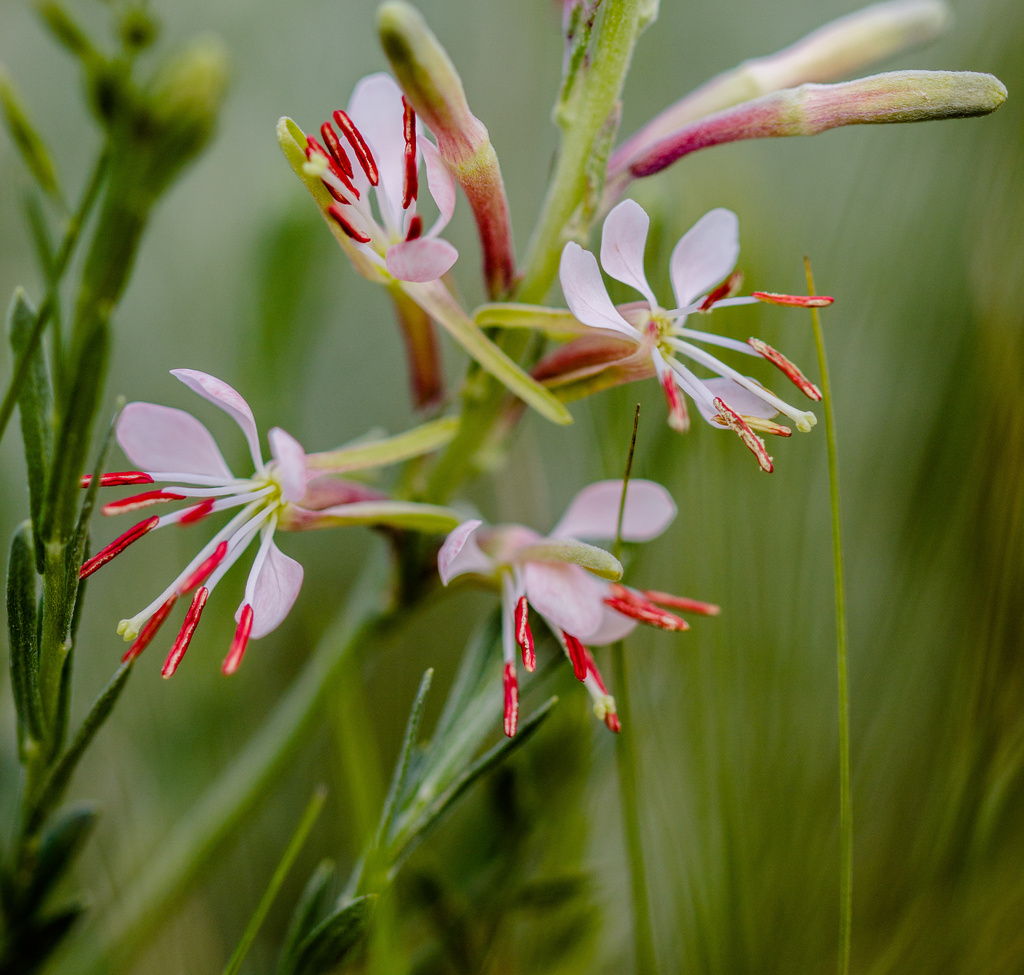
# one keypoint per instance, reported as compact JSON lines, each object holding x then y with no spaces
{"x":460,"y":553}
{"x":291,"y":462}
{"x":705,"y":255}
{"x":160,"y":439}
{"x":376,"y":108}
{"x":585,"y":293}
{"x":742,"y":400}
{"x":274,"y":590}
{"x":231,"y":402}
{"x":421,"y":260}
{"x":440,"y":182}
{"x":566,"y":595}
{"x":623,"y":240}
{"x":594,"y":512}
{"x":613,"y":626}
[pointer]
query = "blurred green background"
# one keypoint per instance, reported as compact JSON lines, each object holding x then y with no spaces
{"x":916,"y":230}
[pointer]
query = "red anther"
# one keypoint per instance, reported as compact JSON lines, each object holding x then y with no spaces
{"x":203,"y":571}
{"x":794,"y":301}
{"x":577,"y":654}
{"x":636,"y":607}
{"x":116,"y":547}
{"x":511,"y":700}
{"x":678,"y":417}
{"x":410,"y":186}
{"x":149,"y":630}
{"x":239,"y":643}
{"x":415,"y":227}
{"x":736,"y":423}
{"x":791,"y":372}
{"x":611,"y":719}
{"x":340,"y":197}
{"x":359,"y":147}
{"x":681,"y":603}
{"x":196,"y":513}
{"x":729,"y":287}
{"x":313,"y":146}
{"x":185,"y":635}
{"x":117,"y":478}
{"x":335,"y":211}
{"x":336,"y":149}
{"x":761,"y":425}
{"x":524,"y":636}
{"x":137,"y":501}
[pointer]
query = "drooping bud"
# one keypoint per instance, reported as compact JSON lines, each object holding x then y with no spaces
{"x":434,"y":89}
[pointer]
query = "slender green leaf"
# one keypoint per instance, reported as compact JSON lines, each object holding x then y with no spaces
{"x":27,"y":140}
{"x":390,"y":450}
{"x":60,"y":845}
{"x":316,"y":804}
{"x":21,"y":626}
{"x":328,"y":944}
{"x":39,"y":940}
{"x":312,"y":904}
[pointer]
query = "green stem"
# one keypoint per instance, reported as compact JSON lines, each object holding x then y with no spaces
{"x":845,"y":794}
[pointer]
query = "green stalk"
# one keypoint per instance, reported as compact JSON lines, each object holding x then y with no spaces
{"x":845,"y":795}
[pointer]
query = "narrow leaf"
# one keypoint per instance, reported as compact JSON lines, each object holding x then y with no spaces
{"x":60,"y":845}
{"x":21,"y":626}
{"x":327,"y":945}
{"x":27,"y":140}
{"x":311,"y":905}
{"x":420,"y":440}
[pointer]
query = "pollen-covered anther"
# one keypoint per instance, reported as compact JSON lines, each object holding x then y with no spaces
{"x":511,"y":700}
{"x":635,"y":606}
{"x":195,"y":611}
{"x":239,"y":643}
{"x":197,"y":512}
{"x":793,"y":301}
{"x":730,"y":418}
{"x":761,"y":425}
{"x":415,"y":228}
{"x":147,"y":633}
{"x":681,"y":603}
{"x":118,"y":479}
{"x":137,"y":501}
{"x":203,"y":571}
{"x":410,"y":185}
{"x":791,"y":372}
{"x":577,"y":654}
{"x":116,"y":547}
{"x":342,"y":221}
{"x":524,"y":636}
{"x":729,"y":287}
{"x":678,"y":417}
{"x":359,"y":146}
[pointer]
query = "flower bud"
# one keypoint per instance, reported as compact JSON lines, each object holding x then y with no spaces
{"x":24,"y":135}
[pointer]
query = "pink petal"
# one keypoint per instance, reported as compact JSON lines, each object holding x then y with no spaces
{"x":460,"y":553}
{"x":376,"y":108}
{"x":585,"y":293}
{"x":613,"y":626}
{"x":623,"y":239}
{"x":276,"y":587}
{"x":221,"y":394}
{"x":594,"y":512}
{"x":421,"y":260}
{"x":160,"y":439}
{"x":291,"y":462}
{"x":705,"y":255}
{"x":737,"y":397}
{"x":440,"y":182}
{"x":565,"y":595}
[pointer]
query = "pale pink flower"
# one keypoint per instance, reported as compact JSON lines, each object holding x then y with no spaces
{"x":373,"y":158}
{"x":549,"y":573}
{"x":652,"y":337}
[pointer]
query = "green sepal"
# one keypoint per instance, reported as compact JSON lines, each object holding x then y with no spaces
{"x":60,"y":845}
{"x":27,"y":140}
{"x":312,"y":904}
{"x":21,"y":626}
{"x":559,"y":323}
{"x":423,"y":439}
{"x":595,"y":559}
{"x":327,"y":945}
{"x":428,"y":518}
{"x":35,"y":406}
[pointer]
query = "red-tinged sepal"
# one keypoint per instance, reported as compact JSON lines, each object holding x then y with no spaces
{"x":792,"y":373}
{"x":730,"y":418}
{"x":196,"y":513}
{"x":681,"y":603}
{"x":577,"y":654}
{"x":116,"y":547}
{"x":632,"y":604}
{"x":511,"y":700}
{"x":138,"y":501}
{"x":195,"y":611}
{"x":118,"y":479}
{"x":678,"y":417}
{"x":524,"y":635}
{"x":204,"y":571}
{"x":794,"y":301}
{"x":729,"y":287}
{"x":234,"y":658}
{"x":147,"y":633}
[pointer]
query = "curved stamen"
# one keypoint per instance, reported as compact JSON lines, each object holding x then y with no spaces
{"x":524,"y":636}
{"x":410,"y":184}
{"x":211,"y":506}
{"x":336,"y":149}
{"x":511,"y":700}
{"x":577,"y":654}
{"x":359,"y":146}
{"x":185,"y":634}
{"x":117,"y":546}
{"x":205,"y":569}
{"x":789,"y":369}
{"x":239,"y":643}
{"x":350,"y":230}
{"x":118,"y":478}
{"x":149,"y":630}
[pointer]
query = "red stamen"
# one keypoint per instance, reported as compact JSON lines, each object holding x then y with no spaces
{"x":117,"y":478}
{"x":794,"y":301}
{"x":313,"y":146}
{"x":185,"y":635}
{"x":729,"y":287}
{"x":335,"y":211}
{"x":410,"y":186}
{"x":137,"y":501}
{"x":196,"y":513}
{"x":611,"y":719}
{"x":636,"y":607}
{"x":203,"y":571}
{"x":149,"y":630}
{"x":791,"y":372}
{"x":415,"y":227}
{"x":359,"y":147}
{"x":340,"y":197}
{"x":682,"y":603}
{"x":336,"y":149}
{"x":239,"y":643}
{"x":116,"y":547}
{"x":761,"y":425}
{"x":511,"y":700}
{"x":524,"y":636}
{"x":577,"y":654}
{"x":591,"y":664}
{"x":678,"y":417}
{"x":736,"y":423}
